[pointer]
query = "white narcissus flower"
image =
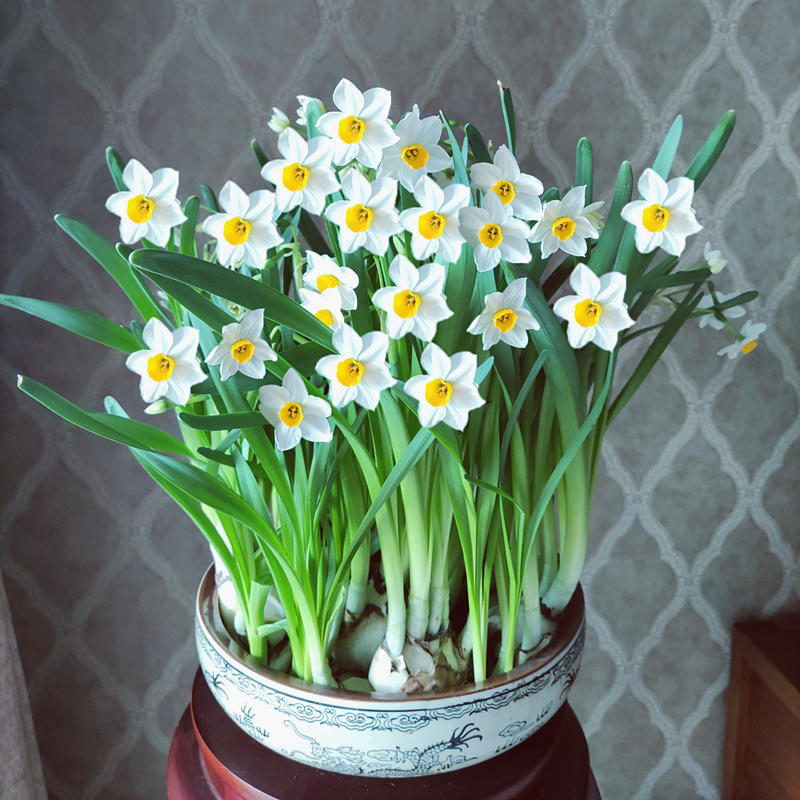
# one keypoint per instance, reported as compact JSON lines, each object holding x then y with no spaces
{"x":303,"y":177}
{"x":447,"y":392}
{"x":716,"y":263}
{"x":278,"y":122}
{"x":169,"y":367}
{"x":415,"y":304}
{"x":245,"y":231}
{"x":664,"y":218}
{"x":149,"y":208}
{"x":326,"y":306}
{"x":707,"y":301}
{"x":359,"y":372}
{"x":294,"y":413}
{"x":417,"y":151}
{"x":597,"y":311}
{"x":566,"y":224}
{"x":242,"y":349}
{"x":359,"y":128}
{"x":302,"y":109}
{"x":517,"y":191}
{"x":750,"y":332}
{"x":324,"y":273}
{"x":367,"y":217}
{"x":434,"y":225}
{"x":494,"y":234}
{"x":504,"y":319}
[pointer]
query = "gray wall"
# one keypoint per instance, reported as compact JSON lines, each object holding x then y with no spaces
{"x":695,"y":519}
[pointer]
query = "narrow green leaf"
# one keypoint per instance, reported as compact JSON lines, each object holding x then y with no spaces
{"x":222,"y":422}
{"x":510,"y":118}
{"x":513,"y":415}
{"x":739,"y":300}
{"x":666,"y":155}
{"x":459,"y":166}
{"x":682,"y":278}
{"x":84,"y":323}
{"x":313,"y":113}
{"x":494,"y":489}
{"x":129,"y":432}
{"x":116,"y":166}
{"x":117,"y":267}
{"x":311,"y":233}
{"x":480,"y":152}
{"x":258,"y":152}
{"x":709,"y":153}
{"x":584,"y":174}
{"x":209,"y":198}
{"x":604,"y":252}
{"x":188,"y":241}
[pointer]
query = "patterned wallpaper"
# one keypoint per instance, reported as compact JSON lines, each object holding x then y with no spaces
{"x":695,"y":518}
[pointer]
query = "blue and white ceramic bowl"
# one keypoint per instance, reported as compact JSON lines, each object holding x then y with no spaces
{"x":386,"y":735}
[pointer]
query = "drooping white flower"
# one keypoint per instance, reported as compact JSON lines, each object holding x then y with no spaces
{"x":168,"y":368}
{"x":359,"y":372}
{"x":565,"y":224}
{"x":415,"y":304}
{"x":244,"y":231}
{"x":517,"y":191}
{"x":592,"y":213}
{"x":303,"y":177}
{"x":716,"y":263}
{"x":278,"y":122}
{"x":504,"y":319}
{"x":664,"y":218}
{"x":597,"y":311}
{"x":326,"y":306}
{"x":359,"y":128}
{"x":304,"y":100}
{"x":417,"y":151}
{"x":447,"y":392}
{"x":242,"y":349}
{"x":750,"y":332}
{"x":494,"y":234}
{"x":434,"y":225}
{"x":149,"y":208}
{"x":294,"y":413}
{"x":324,"y":273}
{"x":707,"y":301}
{"x":367,"y":217}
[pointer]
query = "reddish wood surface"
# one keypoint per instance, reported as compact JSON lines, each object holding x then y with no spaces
{"x":212,"y":758}
{"x":762,"y":735}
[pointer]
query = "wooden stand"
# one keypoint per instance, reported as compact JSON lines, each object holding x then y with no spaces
{"x":762,"y":736}
{"x":212,"y":758}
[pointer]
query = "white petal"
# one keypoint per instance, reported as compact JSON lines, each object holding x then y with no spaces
{"x":286,"y":438}
{"x":233,"y":200}
{"x":137,"y":178}
{"x":348,"y":98}
{"x":165,"y":184}
{"x":157,"y":336}
{"x":652,"y":187}
{"x":184,"y":343}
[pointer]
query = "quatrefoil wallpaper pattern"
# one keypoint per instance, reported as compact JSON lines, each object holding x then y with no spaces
{"x":695,"y":518}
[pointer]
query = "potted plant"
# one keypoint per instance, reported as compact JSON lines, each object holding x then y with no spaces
{"x":392,"y":377}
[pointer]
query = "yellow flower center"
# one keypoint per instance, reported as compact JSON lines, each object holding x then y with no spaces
{"x":351,"y":130}
{"x":327,"y":282}
{"x":415,"y":155}
{"x":505,"y":319}
{"x":243,"y":350}
{"x":140,"y":208}
{"x":325,"y":316}
{"x":491,"y":235}
{"x":431,"y":225}
{"x":505,"y":191}
{"x":358,"y":218}
{"x":160,"y":367}
{"x":749,"y":347}
{"x":563,"y":228}
{"x":406,"y":303}
{"x":291,"y":414}
{"x":295,"y":177}
{"x":438,"y":392}
{"x":236,"y":230}
{"x":349,"y":372}
{"x":655,"y":218}
{"x":587,"y":313}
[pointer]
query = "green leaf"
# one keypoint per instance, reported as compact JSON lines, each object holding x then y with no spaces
{"x":605,"y":251}
{"x":495,"y":489}
{"x":480,"y":152}
{"x":509,"y":118}
{"x":209,"y":198}
{"x":683,"y":278}
{"x":584,"y":169}
{"x":313,"y":113}
{"x":222,"y":422}
{"x":258,"y":152}
{"x":129,"y":432}
{"x":739,"y":300}
{"x":117,"y":267}
{"x":188,"y":242}
{"x":116,"y":166}
{"x":459,"y":166}
{"x":311,"y":233}
{"x":709,"y":153}
{"x":235,"y":287}
{"x":84,"y":323}
{"x":666,"y":155}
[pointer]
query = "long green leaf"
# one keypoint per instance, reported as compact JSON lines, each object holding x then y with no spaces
{"x":666,"y":155}
{"x":709,"y":153}
{"x":116,"y":167}
{"x":117,"y":267}
{"x":480,"y":152}
{"x":84,"y":323}
{"x":510,"y":118}
{"x":258,"y":152}
{"x":459,"y":166}
{"x":235,"y":287}
{"x":223,"y":422}
{"x":584,"y":174}
{"x":188,"y":241}
{"x":605,"y":251}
